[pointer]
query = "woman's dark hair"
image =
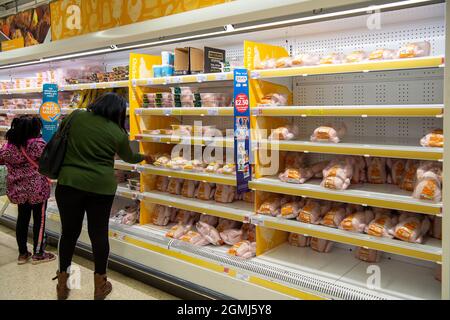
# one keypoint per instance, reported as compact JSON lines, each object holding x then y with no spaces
{"x":22,"y":129}
{"x":112,"y":107}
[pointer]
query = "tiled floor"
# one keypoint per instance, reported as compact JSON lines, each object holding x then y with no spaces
{"x":34,"y":282}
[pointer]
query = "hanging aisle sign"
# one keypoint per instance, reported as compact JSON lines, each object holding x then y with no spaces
{"x":50,"y":111}
{"x":242,"y":130}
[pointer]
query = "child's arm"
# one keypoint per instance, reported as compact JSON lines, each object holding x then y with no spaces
{"x":35,"y":148}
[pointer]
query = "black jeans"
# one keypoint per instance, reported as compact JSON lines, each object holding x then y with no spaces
{"x":23,"y":222}
{"x":72,"y":204}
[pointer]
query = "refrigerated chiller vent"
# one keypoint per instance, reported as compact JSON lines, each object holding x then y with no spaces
{"x":310,"y":283}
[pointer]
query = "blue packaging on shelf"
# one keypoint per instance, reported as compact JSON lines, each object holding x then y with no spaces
{"x":167,"y":58}
{"x":167,"y":70}
{"x":157,"y":71}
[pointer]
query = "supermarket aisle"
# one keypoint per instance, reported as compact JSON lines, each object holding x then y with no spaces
{"x":29,"y":282}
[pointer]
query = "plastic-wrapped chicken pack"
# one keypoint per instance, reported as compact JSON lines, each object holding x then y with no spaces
{"x":332,"y":58}
{"x":205,"y":191}
{"x":313,"y":211}
{"x":226,"y":224}
{"x":271,"y":206}
{"x":194,"y":238}
{"x":162,"y":182}
{"x":383,"y":224}
{"x":305,"y":59}
{"x":434,"y":139}
{"x":409,"y":177}
{"x":338,"y":173}
{"x":396,"y":170}
{"x":357,"y":222}
{"x":211,"y":220}
{"x":175,"y":185}
{"x":177,"y":231}
{"x":232,"y":236}
{"x":249,"y":232}
{"x":162,"y":215}
{"x":376,"y":170}
{"x":209,"y":233}
{"x":185,"y":217}
{"x":382,"y":54}
{"x":244,"y":249}
{"x":274,"y":99}
{"x":299,"y":176}
{"x":368,"y":255}
{"x":429,"y":182}
{"x":415,"y":49}
{"x":412,"y":227}
{"x":225,"y":193}
{"x":188,"y":189}
{"x":291,"y":209}
{"x":356,"y":56}
{"x":329,"y":133}
{"x":321,"y":245}
{"x":249,"y":197}
{"x":287,"y":132}
{"x":334,"y":216}
{"x":299,"y":240}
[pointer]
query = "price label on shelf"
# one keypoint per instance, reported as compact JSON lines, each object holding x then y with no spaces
{"x":256,"y":111}
{"x":93,"y":86}
{"x":201,"y":78}
{"x":257,"y":220}
{"x":255,"y":74}
{"x":243,"y":277}
{"x":134,"y":82}
{"x":221,"y":77}
{"x":156,"y":139}
{"x":167,"y":112}
{"x":175,"y":80}
{"x":213,"y":111}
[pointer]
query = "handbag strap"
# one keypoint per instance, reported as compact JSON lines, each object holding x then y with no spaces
{"x":32,"y":162}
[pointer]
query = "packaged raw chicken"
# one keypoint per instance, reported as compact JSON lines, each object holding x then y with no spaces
{"x":177,"y":231}
{"x":351,"y":208}
{"x":294,"y":160}
{"x":244,"y":249}
{"x":271,"y":206}
{"x":433,"y":139}
{"x":177,"y":163}
{"x":382,"y":54}
{"x":211,"y":220}
{"x":360,"y":171}
{"x":368,"y":255}
{"x":376,"y":170}
{"x":229,"y":168}
{"x":396,"y":170}
{"x":249,"y":196}
{"x":332,"y":58}
{"x":209,"y":233}
{"x":318,"y":168}
{"x":299,"y":176}
{"x":329,"y":133}
{"x":338,"y":174}
{"x":321,"y":245}
{"x":224,"y":193}
{"x":429,"y":182}
{"x":291,"y":210}
{"x":162,"y":215}
{"x":334,"y":216}
{"x":162,"y":182}
{"x":415,"y":49}
{"x":175,"y":185}
{"x":213,"y":167}
{"x":357,"y":222}
{"x":412,"y":227}
{"x":287,"y":132}
{"x":249,"y":232}
{"x":356,"y":56}
{"x":313,"y":211}
{"x":285,"y":62}
{"x":232,"y":236}
{"x":266,"y":64}
{"x":299,"y":240}
{"x":274,"y":99}
{"x":188,"y":189}
{"x":194,"y":165}
{"x":305,"y":60}
{"x":409,"y":177}
{"x":194,"y":238}
{"x":205,"y":191}
{"x":225,"y":224}
{"x":436,"y":230}
{"x":185,"y":217}
{"x":383,"y":224}
{"x":161,"y":160}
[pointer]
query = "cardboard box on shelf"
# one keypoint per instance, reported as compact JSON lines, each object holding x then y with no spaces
{"x":214,"y":58}
{"x":188,"y":61}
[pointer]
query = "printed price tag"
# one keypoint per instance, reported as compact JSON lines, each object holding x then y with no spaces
{"x":167,"y":112}
{"x":201,"y":78}
{"x":134,"y":82}
{"x":156,"y":139}
{"x":149,"y":82}
{"x":93,"y":86}
{"x":257,"y":220}
{"x":175,"y":80}
{"x":255,"y":74}
{"x":256,"y":111}
{"x":243,"y":277}
{"x":221,"y":76}
{"x":213,"y":111}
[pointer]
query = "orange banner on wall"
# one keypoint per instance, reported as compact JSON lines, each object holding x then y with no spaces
{"x":77,"y":17}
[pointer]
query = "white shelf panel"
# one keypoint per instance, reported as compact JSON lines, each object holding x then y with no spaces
{"x":430,"y":250}
{"x":376,"y":195}
{"x":95,"y":85}
{"x":32,"y":111}
{"x":197,"y":176}
{"x":239,"y":210}
{"x":407,"y":148}
{"x":21,"y":91}
{"x":429,"y":110}
{"x":398,"y":279}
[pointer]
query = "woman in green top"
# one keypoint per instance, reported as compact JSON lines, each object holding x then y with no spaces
{"x":86,"y":183}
